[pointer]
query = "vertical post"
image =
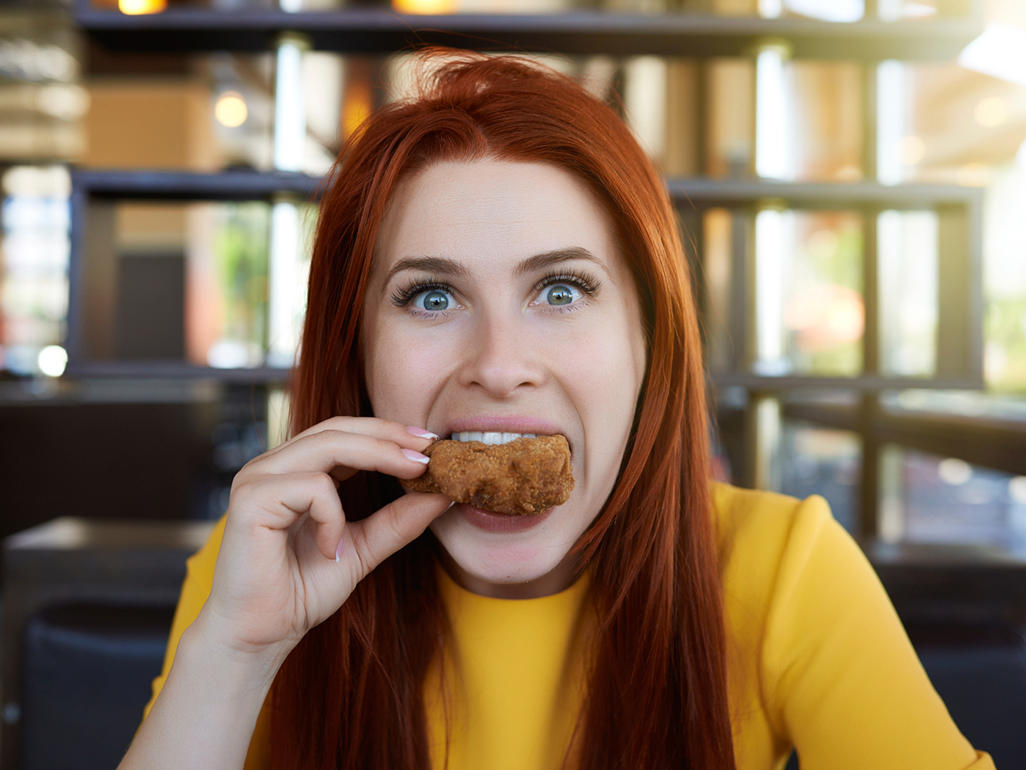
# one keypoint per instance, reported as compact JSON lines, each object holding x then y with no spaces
{"x":283,"y":258}
{"x":97,"y":276}
{"x":959,"y":293}
{"x":869,"y":403}
{"x":289,"y":142}
{"x":764,"y":335}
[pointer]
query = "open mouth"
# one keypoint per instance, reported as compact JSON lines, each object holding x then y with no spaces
{"x":493,"y":438}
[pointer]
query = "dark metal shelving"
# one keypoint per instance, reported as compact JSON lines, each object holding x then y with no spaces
{"x":96,"y":186}
{"x":698,"y":36}
{"x":176,"y":370}
{"x":705,"y":193}
{"x":373,"y":30}
{"x":702,"y":192}
{"x":160,"y":185}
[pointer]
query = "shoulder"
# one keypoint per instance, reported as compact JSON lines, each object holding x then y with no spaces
{"x":762,"y":528}
{"x":779,"y":557}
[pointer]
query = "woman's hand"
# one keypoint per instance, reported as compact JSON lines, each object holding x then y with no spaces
{"x":289,"y":558}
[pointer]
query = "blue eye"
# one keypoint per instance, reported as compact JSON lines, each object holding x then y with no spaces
{"x":433,"y":300}
{"x":561,"y":294}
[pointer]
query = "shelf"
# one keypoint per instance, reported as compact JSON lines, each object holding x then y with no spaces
{"x":731,"y":193}
{"x":699,"y":192}
{"x":372,"y":30}
{"x":176,"y":370}
{"x":192,"y":185}
{"x":859,"y":383}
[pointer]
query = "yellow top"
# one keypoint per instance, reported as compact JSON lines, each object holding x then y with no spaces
{"x":818,"y":658}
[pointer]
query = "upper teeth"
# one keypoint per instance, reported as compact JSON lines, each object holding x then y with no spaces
{"x":489,"y":437}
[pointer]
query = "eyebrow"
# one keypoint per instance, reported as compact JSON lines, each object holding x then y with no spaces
{"x":450,"y":267}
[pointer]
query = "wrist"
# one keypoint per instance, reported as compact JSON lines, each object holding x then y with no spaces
{"x":248,"y":667}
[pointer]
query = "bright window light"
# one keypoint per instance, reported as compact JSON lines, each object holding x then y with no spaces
{"x":1000,"y":52}
{"x":828,"y":10}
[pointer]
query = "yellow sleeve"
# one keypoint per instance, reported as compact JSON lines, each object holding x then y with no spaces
{"x":838,"y":669}
{"x":199,"y":578}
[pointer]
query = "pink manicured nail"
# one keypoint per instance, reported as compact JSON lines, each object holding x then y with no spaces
{"x":417,"y":457}
{"x":420,"y":432}
{"x":338,"y":550}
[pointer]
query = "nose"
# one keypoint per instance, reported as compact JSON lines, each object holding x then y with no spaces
{"x":502,"y":357}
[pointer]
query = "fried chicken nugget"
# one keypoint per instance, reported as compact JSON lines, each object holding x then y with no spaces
{"x":523,"y":477}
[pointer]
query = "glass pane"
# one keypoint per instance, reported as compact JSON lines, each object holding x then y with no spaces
{"x":213,"y":112}
{"x":722,"y":353}
{"x":190,"y":282}
{"x":1004,"y":280}
{"x":951,"y":122}
{"x":811,"y":460}
{"x":824,"y":107}
{"x":809,"y":307}
{"x":963,"y":122}
{"x":963,"y":403}
{"x":908,"y":292}
{"x":730,"y":122}
{"x":930,"y":499}
{"x":808,"y":117}
{"x":34,"y":247}
{"x":41,"y":101}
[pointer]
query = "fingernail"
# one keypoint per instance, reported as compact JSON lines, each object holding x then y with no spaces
{"x":417,"y":457}
{"x":338,"y":550}
{"x":420,"y":432}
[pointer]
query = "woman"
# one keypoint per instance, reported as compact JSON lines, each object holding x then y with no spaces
{"x":498,"y":254}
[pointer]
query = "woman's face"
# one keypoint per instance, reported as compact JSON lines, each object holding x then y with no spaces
{"x":498,"y":301}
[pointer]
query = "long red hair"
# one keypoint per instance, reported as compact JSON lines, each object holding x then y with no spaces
{"x":350,"y":696}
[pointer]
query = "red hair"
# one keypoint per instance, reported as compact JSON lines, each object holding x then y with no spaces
{"x":350,"y":696}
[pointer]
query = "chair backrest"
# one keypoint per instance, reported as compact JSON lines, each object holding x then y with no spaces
{"x":87,"y":671}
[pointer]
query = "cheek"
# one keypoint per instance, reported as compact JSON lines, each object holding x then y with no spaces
{"x":609,"y":363}
{"x":603,"y":371}
{"x":402,"y":371}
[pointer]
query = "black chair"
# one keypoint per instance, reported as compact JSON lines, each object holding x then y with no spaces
{"x":87,"y":670}
{"x":980,"y":673}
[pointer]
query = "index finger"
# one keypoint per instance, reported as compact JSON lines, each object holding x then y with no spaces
{"x":412,"y":436}
{"x":341,"y":454}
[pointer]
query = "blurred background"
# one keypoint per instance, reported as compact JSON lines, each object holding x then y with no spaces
{"x":850,"y":178}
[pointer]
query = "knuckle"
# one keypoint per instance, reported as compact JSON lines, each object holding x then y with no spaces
{"x":325,"y":485}
{"x":337,"y":424}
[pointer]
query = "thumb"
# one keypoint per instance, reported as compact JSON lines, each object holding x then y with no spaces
{"x":387,"y":530}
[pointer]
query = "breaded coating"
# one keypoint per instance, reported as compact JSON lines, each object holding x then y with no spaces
{"x":521,"y":478}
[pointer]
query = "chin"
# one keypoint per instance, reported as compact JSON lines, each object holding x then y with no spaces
{"x":482,"y":569}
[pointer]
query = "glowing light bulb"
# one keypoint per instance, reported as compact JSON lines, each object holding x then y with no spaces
{"x":424,"y":6}
{"x":230,"y":109}
{"x":911,"y":150}
{"x":141,"y":7}
{"x":954,"y":472}
{"x":53,"y":360}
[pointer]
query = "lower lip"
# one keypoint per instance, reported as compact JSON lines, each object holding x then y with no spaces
{"x":493,"y":522}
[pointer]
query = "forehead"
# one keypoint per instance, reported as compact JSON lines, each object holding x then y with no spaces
{"x":491,"y":208}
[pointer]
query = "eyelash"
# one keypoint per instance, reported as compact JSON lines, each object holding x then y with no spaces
{"x":403,"y":295}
